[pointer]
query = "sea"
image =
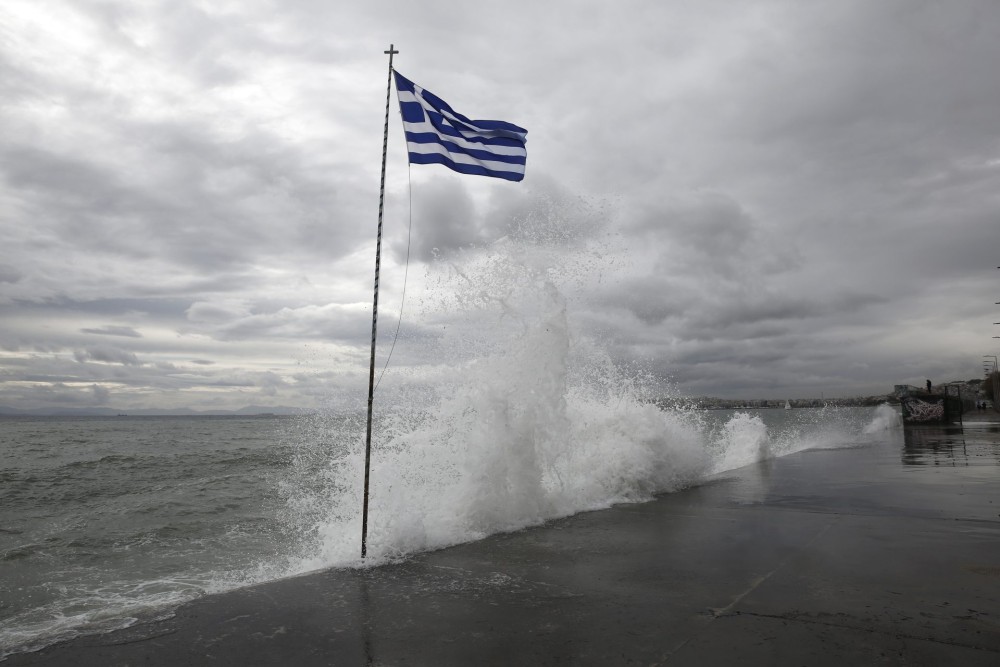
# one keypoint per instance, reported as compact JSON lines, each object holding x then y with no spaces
{"x":109,"y":521}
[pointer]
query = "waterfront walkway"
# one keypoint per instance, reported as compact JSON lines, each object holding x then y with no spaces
{"x":888,"y":554}
{"x":986,"y":416}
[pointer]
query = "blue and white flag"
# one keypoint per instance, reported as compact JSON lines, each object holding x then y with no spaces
{"x":436,"y":134}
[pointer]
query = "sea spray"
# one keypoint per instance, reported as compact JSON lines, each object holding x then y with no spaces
{"x":519,"y":419}
{"x":886,"y":418}
{"x":741,"y":441}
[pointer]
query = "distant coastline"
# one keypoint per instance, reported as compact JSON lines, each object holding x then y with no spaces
{"x":712,"y":403}
{"x":248,"y":411}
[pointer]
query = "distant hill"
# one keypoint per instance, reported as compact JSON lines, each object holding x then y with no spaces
{"x":249,"y":410}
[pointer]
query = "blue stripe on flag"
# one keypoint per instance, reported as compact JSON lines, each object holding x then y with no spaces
{"x":437,"y":134}
{"x":463,"y":168}
{"x":452,"y":147}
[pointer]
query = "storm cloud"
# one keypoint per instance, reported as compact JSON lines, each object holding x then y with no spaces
{"x":769,"y":199}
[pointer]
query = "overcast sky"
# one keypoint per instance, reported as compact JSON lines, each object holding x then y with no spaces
{"x":752,"y":199}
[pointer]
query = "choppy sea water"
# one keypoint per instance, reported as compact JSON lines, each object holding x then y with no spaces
{"x":104,"y":521}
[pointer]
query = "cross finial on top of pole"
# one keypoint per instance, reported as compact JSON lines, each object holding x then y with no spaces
{"x":393,"y":51}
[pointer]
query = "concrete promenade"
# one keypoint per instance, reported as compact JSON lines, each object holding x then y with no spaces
{"x":985,"y":416}
{"x":888,"y":554}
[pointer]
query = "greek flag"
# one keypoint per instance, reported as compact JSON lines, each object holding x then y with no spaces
{"x":436,"y":134}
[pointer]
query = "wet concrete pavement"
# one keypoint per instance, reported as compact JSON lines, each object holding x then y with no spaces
{"x":888,"y":554}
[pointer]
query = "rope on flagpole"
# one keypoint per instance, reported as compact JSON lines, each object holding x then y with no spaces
{"x":406,"y":273}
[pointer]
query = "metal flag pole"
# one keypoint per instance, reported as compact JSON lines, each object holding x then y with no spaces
{"x":378,"y":261}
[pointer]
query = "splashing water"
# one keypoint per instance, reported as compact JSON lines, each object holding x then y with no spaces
{"x":534,"y":423}
{"x":743,"y":441}
{"x":529,"y":421}
{"x":886,"y":418}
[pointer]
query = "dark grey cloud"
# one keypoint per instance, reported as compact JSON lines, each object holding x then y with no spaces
{"x":62,"y":395}
{"x":113,"y":330}
{"x":219,"y":207}
{"x":107,"y":354}
{"x":108,"y":307}
{"x":101,"y":394}
{"x":447,"y":221}
{"x":9,"y":275}
{"x":771,"y":198}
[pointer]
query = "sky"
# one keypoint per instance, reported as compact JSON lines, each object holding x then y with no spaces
{"x":757,"y":199}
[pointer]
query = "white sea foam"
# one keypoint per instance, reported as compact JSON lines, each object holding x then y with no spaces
{"x":538,"y":427}
{"x":526,"y":422}
{"x":886,"y":418}
{"x":741,"y":441}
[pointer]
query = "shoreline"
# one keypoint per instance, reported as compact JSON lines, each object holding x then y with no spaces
{"x":867,"y":554}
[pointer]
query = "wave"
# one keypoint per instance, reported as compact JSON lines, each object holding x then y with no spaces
{"x":529,"y":421}
{"x":886,"y":418}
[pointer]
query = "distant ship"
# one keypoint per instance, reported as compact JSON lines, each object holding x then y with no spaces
{"x":788,"y":406}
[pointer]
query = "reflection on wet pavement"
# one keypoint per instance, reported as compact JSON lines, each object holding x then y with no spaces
{"x":952,"y":445}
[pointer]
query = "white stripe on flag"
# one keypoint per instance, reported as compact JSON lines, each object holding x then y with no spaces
{"x":428,"y":149}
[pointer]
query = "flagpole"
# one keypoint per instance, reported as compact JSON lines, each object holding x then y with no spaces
{"x":378,"y":261}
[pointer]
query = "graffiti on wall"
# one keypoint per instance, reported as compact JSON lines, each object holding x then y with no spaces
{"x":923,"y":409}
